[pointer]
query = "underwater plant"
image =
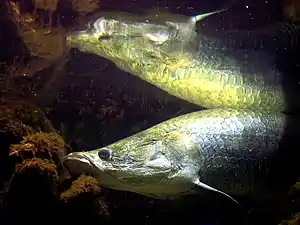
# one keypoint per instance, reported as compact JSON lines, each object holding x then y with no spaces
{"x":31,"y":190}
{"x":83,"y":185}
{"x":86,"y":192}
{"x":17,"y":120}
{"x":33,"y":181}
{"x":34,"y":152}
{"x":84,"y":198}
{"x":42,"y":145}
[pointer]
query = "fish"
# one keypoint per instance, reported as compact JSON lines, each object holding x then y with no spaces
{"x":231,"y":152}
{"x":208,"y":71}
{"x":242,"y":144}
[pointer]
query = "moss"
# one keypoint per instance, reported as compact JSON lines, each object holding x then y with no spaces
{"x":43,"y":145}
{"x":24,"y":151}
{"x":28,"y":114}
{"x":84,"y":197}
{"x":11,"y":131}
{"x":14,"y":130}
{"x":43,"y":167}
{"x":37,"y":169}
{"x":83,"y":185}
{"x":32,"y":191}
{"x":17,"y":119}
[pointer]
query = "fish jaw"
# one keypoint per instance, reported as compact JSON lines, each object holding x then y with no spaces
{"x":83,"y":40}
{"x":79,"y":163}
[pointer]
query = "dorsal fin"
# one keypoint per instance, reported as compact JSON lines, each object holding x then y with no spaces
{"x":200,"y":17}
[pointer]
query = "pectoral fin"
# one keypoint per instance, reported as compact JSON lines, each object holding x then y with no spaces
{"x":209,"y":188}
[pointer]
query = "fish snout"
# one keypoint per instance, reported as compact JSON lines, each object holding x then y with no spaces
{"x":77,"y":163}
{"x":74,"y":38}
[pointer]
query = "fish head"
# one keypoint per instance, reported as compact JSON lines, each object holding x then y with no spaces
{"x":131,"y":37}
{"x":135,"y":162}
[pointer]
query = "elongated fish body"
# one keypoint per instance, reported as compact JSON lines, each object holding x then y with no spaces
{"x":237,"y":152}
{"x":173,"y":57}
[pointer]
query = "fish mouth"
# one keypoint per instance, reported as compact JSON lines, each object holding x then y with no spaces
{"x":74,"y":36}
{"x":77,"y":164}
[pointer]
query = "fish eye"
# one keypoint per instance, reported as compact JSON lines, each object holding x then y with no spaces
{"x":105,"y":154}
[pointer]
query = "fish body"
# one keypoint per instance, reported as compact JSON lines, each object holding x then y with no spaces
{"x":197,"y":68}
{"x":229,"y":151}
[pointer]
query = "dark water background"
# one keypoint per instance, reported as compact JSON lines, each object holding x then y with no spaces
{"x":94,"y":103}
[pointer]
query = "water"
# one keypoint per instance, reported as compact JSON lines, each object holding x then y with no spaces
{"x":92,"y":103}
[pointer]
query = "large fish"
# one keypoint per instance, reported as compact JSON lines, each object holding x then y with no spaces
{"x":227,"y":151}
{"x":244,"y":147}
{"x":208,"y":71}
